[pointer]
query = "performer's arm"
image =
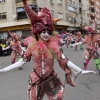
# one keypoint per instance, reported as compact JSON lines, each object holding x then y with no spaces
{"x":67,"y":65}
{"x":22,"y":48}
{"x":78,"y":43}
{"x":6,"y":48}
{"x":62,"y":62}
{"x":57,"y":54}
{"x":18,"y":64}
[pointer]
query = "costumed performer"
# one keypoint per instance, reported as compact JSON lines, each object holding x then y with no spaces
{"x":43,"y":49}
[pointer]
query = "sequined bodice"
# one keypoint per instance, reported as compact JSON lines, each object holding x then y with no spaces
{"x":42,"y":59}
{"x":90,"y":42}
{"x":48,"y":65}
{"x":15,"y":46}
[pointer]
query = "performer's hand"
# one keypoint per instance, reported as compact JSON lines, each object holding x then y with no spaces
{"x":1,"y":71}
{"x":72,"y":45}
{"x":69,"y":80}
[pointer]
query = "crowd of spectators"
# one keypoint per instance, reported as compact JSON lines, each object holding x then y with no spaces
{"x":3,"y":44}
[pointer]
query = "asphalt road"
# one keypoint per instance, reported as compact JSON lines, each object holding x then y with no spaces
{"x":13,"y":85}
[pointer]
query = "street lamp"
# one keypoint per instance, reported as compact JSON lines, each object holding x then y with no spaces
{"x":77,"y":15}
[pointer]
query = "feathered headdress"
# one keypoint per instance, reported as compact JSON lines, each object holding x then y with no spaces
{"x":13,"y":35}
{"x":41,"y":21}
{"x":88,"y":29}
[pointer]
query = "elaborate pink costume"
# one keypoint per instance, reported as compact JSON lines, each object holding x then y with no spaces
{"x":15,"y":46}
{"x":78,"y":39}
{"x":43,"y":53}
{"x":43,"y":78}
{"x":91,"y":47}
{"x":68,"y":40}
{"x":97,"y":41}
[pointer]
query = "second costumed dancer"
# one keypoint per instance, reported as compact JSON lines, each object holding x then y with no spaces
{"x":91,"y":48}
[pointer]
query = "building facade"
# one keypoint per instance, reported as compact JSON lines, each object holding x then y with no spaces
{"x":94,"y":16}
{"x":14,"y":18}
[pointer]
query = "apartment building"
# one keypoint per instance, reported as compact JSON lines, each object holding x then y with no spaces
{"x":13,"y":16}
{"x":94,"y":17}
{"x":72,"y":12}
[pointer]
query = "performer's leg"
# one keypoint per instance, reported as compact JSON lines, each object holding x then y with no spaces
{"x":13,"y":61}
{"x":96,"y":48}
{"x":13,"y":57}
{"x":20,"y":68}
{"x":81,"y":47}
{"x":86,"y":63}
{"x":76,"y":47}
{"x":67,"y":44}
{"x":97,"y":62}
{"x":33,"y":93}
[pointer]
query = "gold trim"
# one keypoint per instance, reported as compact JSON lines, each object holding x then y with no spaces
{"x":23,"y":27}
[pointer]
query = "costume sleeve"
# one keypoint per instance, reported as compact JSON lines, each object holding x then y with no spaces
{"x":27,"y":54}
{"x":58,"y":55}
{"x":16,"y":65}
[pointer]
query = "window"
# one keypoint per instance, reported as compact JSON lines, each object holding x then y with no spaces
{"x":21,"y":13}
{"x":70,"y":19}
{"x":81,"y":19}
{"x":33,"y":7}
{"x":52,"y":2}
{"x":92,"y":17}
{"x":70,"y":0}
{"x":67,"y":19}
{"x":92,"y":10}
{"x":52,"y":13}
{"x":60,"y":15}
{"x":71,"y":8}
{"x":59,"y":1}
{"x":18,"y":0}
{"x":80,"y":1}
{"x":80,"y":10}
{"x":1,"y":1}
{"x":73,"y":1}
{"x":3,"y":15}
{"x":92,"y":3}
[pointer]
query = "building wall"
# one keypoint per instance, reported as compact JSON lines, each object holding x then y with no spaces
{"x":85,"y":6}
{"x":96,"y":14}
{"x":11,"y":22}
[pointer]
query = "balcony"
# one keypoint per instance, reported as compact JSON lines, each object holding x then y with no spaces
{"x":71,"y":21}
{"x":18,"y":1}
{"x":91,"y":14}
{"x":92,"y":10}
{"x":91,"y":21}
{"x":91,"y":6}
{"x":91,"y":1}
{"x":70,"y":1}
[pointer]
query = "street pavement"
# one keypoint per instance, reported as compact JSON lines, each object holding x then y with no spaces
{"x":13,"y":84}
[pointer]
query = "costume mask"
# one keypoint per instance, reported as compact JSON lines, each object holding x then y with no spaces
{"x":44,"y":35}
